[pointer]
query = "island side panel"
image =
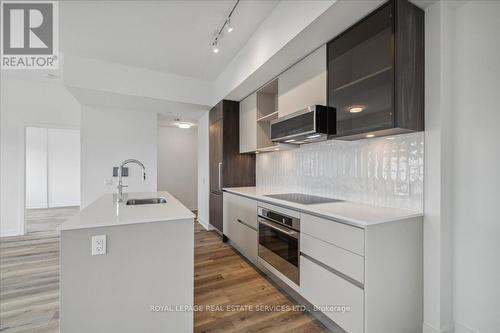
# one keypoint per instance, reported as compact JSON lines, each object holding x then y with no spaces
{"x":146,"y":265}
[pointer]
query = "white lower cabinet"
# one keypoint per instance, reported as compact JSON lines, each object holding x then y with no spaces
{"x":341,"y":260}
{"x":246,"y":240}
{"x":240,"y":223}
{"x":337,"y":298}
{"x":366,"y":280}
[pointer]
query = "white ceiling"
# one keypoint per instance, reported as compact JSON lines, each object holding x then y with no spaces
{"x":168,"y":36}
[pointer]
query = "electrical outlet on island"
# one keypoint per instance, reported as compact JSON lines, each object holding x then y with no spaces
{"x":98,"y":245}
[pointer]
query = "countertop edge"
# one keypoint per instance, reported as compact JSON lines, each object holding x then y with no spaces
{"x":102,"y":225}
{"x":341,"y":219}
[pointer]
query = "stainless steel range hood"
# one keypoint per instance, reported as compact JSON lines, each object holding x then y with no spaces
{"x":312,"y":124}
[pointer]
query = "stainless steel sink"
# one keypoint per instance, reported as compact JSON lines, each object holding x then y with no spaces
{"x":148,"y":201}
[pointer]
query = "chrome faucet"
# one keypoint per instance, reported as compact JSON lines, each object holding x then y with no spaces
{"x":120,"y":185}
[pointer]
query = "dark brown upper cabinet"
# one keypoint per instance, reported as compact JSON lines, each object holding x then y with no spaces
{"x":376,"y":73}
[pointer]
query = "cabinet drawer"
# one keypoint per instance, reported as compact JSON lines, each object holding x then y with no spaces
{"x":246,"y":240}
{"x":326,"y":290}
{"x":240,"y":223}
{"x":247,"y":211}
{"x":337,"y":258}
{"x":336,"y":233}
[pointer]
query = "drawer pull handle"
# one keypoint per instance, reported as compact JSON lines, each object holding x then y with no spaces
{"x":245,"y":224}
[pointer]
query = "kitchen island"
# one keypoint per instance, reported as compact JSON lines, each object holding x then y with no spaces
{"x":140,"y":279}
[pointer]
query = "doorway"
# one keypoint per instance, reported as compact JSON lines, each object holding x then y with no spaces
{"x":52,"y":174}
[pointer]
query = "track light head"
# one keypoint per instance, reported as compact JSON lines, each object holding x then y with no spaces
{"x":226,"y":27}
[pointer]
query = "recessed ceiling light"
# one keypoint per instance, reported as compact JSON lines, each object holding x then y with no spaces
{"x":182,"y":124}
{"x":390,"y":138}
{"x":229,"y":26}
{"x":276,"y":149}
{"x":370,"y":135}
{"x":355,"y":109}
{"x":257,"y":152}
{"x":291,"y":140}
{"x":215,"y":48}
{"x":314,"y":136}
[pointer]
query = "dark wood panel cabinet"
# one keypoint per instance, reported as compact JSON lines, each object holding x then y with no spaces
{"x":228,"y":168}
{"x":376,"y":73}
{"x":215,"y":214}
{"x":215,"y":151}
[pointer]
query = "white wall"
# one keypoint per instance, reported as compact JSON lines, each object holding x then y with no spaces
{"x":203,"y":171}
{"x":110,"y":136}
{"x":178,"y":163}
{"x":24,"y":103}
{"x":476,"y":167}
{"x":461,"y":226}
{"x":437,"y":189}
{"x":52,"y":167}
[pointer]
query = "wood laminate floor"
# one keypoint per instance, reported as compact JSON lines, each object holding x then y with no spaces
{"x":222,"y":278}
{"x":29,"y":274}
{"x":29,"y":285}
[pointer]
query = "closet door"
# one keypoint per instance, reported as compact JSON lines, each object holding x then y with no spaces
{"x":36,"y":167}
{"x":63,"y":157}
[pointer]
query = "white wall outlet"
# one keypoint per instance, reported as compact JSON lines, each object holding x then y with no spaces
{"x":98,"y":245}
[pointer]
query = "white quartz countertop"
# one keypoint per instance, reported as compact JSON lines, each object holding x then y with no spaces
{"x":356,"y":214}
{"x":105,"y":212}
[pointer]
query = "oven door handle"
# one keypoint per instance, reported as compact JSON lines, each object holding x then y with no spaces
{"x":283,"y":230}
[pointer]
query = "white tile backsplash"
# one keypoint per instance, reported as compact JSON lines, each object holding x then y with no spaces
{"x":381,"y":171}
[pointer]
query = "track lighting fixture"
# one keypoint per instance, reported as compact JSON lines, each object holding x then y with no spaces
{"x":227,"y":26}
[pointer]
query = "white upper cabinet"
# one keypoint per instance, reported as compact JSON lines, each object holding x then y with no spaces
{"x":248,"y":124}
{"x":303,"y":84}
{"x":256,"y":113}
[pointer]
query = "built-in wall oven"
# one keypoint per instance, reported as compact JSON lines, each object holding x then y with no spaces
{"x":279,"y":239}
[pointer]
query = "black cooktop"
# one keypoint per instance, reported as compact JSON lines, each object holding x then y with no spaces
{"x":303,"y":199}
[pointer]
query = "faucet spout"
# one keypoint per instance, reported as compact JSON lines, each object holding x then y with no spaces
{"x":120,"y":185}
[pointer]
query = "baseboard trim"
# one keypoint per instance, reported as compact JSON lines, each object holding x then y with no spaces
{"x":206,"y":225}
{"x":203,"y":224}
{"x":461,"y":328}
{"x":10,"y":233}
{"x":61,"y":205}
{"x":41,"y":206}
{"x":427,"y":328}
{"x":56,"y":205}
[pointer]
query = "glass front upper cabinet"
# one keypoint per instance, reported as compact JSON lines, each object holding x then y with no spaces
{"x":363,"y":72}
